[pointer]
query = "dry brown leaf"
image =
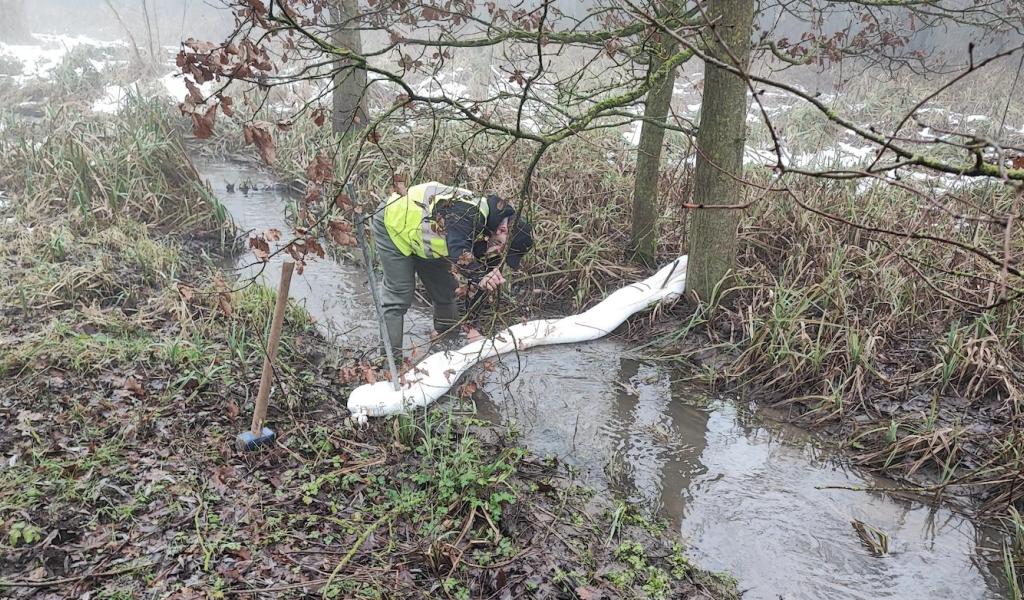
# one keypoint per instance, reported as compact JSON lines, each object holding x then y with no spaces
{"x":321,"y":169}
{"x":198,"y":46}
{"x":134,"y":387}
{"x":260,"y":248}
{"x":194,"y":94}
{"x":343,"y":201}
{"x":186,"y":291}
{"x":227,"y":105}
{"x":223,"y":296}
{"x":258,"y":7}
{"x":341,"y":232}
{"x":312,"y":194}
{"x":319,"y":117}
{"x":202,"y":125}
{"x":258,"y":133}
{"x":313,"y":245}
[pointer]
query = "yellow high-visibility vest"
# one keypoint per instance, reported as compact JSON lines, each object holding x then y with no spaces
{"x":409,"y":218}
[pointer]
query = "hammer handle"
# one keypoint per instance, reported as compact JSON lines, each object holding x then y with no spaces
{"x":260,"y":412}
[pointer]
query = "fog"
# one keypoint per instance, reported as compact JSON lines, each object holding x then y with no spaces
{"x":170,"y":21}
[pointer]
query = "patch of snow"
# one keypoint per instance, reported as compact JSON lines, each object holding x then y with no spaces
{"x":929,"y":182}
{"x":174,"y":84}
{"x":759,"y":157}
{"x":112,"y":100}
{"x":772,"y":110}
{"x":865,"y":185}
{"x":39,"y":60}
{"x":528,"y":124}
{"x":499,"y":83}
{"x":633,"y":135}
{"x":439,"y":86}
{"x":861,"y":152}
{"x":36,"y":61}
{"x":844,"y":156}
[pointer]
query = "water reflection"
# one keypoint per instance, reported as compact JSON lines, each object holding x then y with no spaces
{"x":746,"y":495}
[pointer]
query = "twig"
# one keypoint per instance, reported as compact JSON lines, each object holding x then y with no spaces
{"x":64,"y":580}
{"x":352,"y":552}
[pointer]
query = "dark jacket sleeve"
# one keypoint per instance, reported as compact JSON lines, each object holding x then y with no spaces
{"x":462,"y":224}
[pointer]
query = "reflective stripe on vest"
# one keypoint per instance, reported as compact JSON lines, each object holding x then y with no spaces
{"x":409,"y":218}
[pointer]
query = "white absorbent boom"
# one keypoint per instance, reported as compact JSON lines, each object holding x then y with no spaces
{"x":436,"y":374}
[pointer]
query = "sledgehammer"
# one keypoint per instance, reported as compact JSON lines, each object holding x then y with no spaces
{"x":258,"y":435}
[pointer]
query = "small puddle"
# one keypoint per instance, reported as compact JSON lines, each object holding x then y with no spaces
{"x":746,"y":493}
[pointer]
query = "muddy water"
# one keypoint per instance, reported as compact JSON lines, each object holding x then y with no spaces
{"x":748,"y":495}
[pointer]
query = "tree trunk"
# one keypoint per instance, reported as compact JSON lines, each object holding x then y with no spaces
{"x":13,"y":26}
{"x":644,"y":241}
{"x":720,"y":141}
{"x":349,"y":112}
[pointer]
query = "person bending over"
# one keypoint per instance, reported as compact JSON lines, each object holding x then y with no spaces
{"x":436,"y":231}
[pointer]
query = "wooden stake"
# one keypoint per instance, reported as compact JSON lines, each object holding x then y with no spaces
{"x":260,"y":413}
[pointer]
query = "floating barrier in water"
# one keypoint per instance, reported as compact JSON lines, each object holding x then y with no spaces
{"x":436,"y":374}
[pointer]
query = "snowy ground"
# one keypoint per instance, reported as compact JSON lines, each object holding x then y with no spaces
{"x":38,"y":60}
{"x":35,"y":63}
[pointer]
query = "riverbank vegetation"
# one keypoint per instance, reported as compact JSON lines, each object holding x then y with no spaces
{"x":129,"y":361}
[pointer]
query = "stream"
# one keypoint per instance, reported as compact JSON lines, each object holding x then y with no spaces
{"x":748,"y":495}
